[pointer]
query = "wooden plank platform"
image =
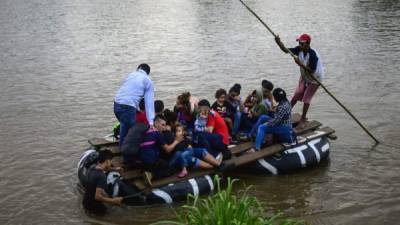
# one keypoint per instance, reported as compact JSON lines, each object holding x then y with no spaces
{"x":131,"y":174}
{"x":101,"y":142}
{"x":309,"y":125}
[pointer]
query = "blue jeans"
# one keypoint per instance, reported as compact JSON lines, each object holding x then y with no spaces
{"x":261,"y":119}
{"x":190,"y":157}
{"x":212,"y":142}
{"x":284,"y":134}
{"x":126,"y":116}
{"x":236,"y":122}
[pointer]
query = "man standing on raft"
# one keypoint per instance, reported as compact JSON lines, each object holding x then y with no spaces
{"x":136,"y":86}
{"x":310,"y":63}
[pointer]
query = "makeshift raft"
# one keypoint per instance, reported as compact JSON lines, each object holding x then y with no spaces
{"x":311,"y":148}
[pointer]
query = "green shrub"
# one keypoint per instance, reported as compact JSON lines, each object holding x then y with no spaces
{"x":225,"y":208}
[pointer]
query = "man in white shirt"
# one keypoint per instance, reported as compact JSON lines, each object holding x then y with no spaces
{"x":137,"y":85}
{"x":309,"y":62}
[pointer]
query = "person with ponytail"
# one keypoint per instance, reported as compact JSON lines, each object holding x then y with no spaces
{"x":280,"y":125}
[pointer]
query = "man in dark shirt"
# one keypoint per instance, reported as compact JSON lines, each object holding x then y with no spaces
{"x":95,"y":194}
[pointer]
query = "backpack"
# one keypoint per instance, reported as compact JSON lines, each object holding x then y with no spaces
{"x":133,"y":139}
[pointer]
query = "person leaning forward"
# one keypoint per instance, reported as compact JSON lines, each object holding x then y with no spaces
{"x":95,"y":194}
{"x":309,"y":62}
{"x":135,"y":86}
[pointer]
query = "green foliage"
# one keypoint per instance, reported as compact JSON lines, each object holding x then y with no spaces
{"x":226,"y":208}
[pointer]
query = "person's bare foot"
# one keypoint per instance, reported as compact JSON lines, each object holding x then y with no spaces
{"x":183,"y":173}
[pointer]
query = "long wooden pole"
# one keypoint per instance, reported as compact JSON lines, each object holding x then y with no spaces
{"x":313,"y":77}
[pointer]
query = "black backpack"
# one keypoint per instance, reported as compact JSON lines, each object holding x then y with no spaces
{"x":133,"y":139}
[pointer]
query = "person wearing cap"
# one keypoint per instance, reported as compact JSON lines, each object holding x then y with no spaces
{"x":309,"y":62}
{"x":126,"y":102}
{"x":280,"y":125}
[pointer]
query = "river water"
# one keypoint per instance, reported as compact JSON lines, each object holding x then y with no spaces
{"x":61,"y":63}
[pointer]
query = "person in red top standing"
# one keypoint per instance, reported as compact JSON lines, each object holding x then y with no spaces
{"x":211,"y":131}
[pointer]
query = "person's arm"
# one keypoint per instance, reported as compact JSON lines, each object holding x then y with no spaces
{"x":149,"y":101}
{"x":280,"y":44}
{"x":230,"y":110}
{"x":101,"y":197}
{"x":210,"y":124}
{"x":260,"y":110}
{"x":280,"y":112}
{"x":170,"y":147}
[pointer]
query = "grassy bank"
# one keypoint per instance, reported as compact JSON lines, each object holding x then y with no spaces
{"x":226,"y":208}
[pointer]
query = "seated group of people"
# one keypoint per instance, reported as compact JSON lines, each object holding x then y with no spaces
{"x":194,"y":133}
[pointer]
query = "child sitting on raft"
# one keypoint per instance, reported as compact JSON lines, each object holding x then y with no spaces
{"x":186,"y":156}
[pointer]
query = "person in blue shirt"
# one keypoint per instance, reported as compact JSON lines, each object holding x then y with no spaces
{"x":137,"y":85}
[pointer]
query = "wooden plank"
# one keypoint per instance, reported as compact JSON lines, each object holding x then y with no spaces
{"x":325,"y":131}
{"x":308,"y":125}
{"x":99,"y":142}
{"x":117,"y":161}
{"x":240,"y":148}
{"x":130,"y":174}
{"x":114,"y":149}
{"x":247,"y":158}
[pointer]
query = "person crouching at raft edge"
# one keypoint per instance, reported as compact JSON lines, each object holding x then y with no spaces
{"x":309,"y":62}
{"x":280,"y":125}
{"x":185,"y":155}
{"x":211,"y":131}
{"x":95,"y":194}
{"x":126,"y":102}
{"x":154,"y":152}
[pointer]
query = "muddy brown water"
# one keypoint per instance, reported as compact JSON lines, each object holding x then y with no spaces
{"x":61,"y":63}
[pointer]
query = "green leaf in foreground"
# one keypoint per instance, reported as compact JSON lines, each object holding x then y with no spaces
{"x":226,"y":208}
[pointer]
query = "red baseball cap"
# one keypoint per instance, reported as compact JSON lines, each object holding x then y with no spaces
{"x":303,"y":38}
